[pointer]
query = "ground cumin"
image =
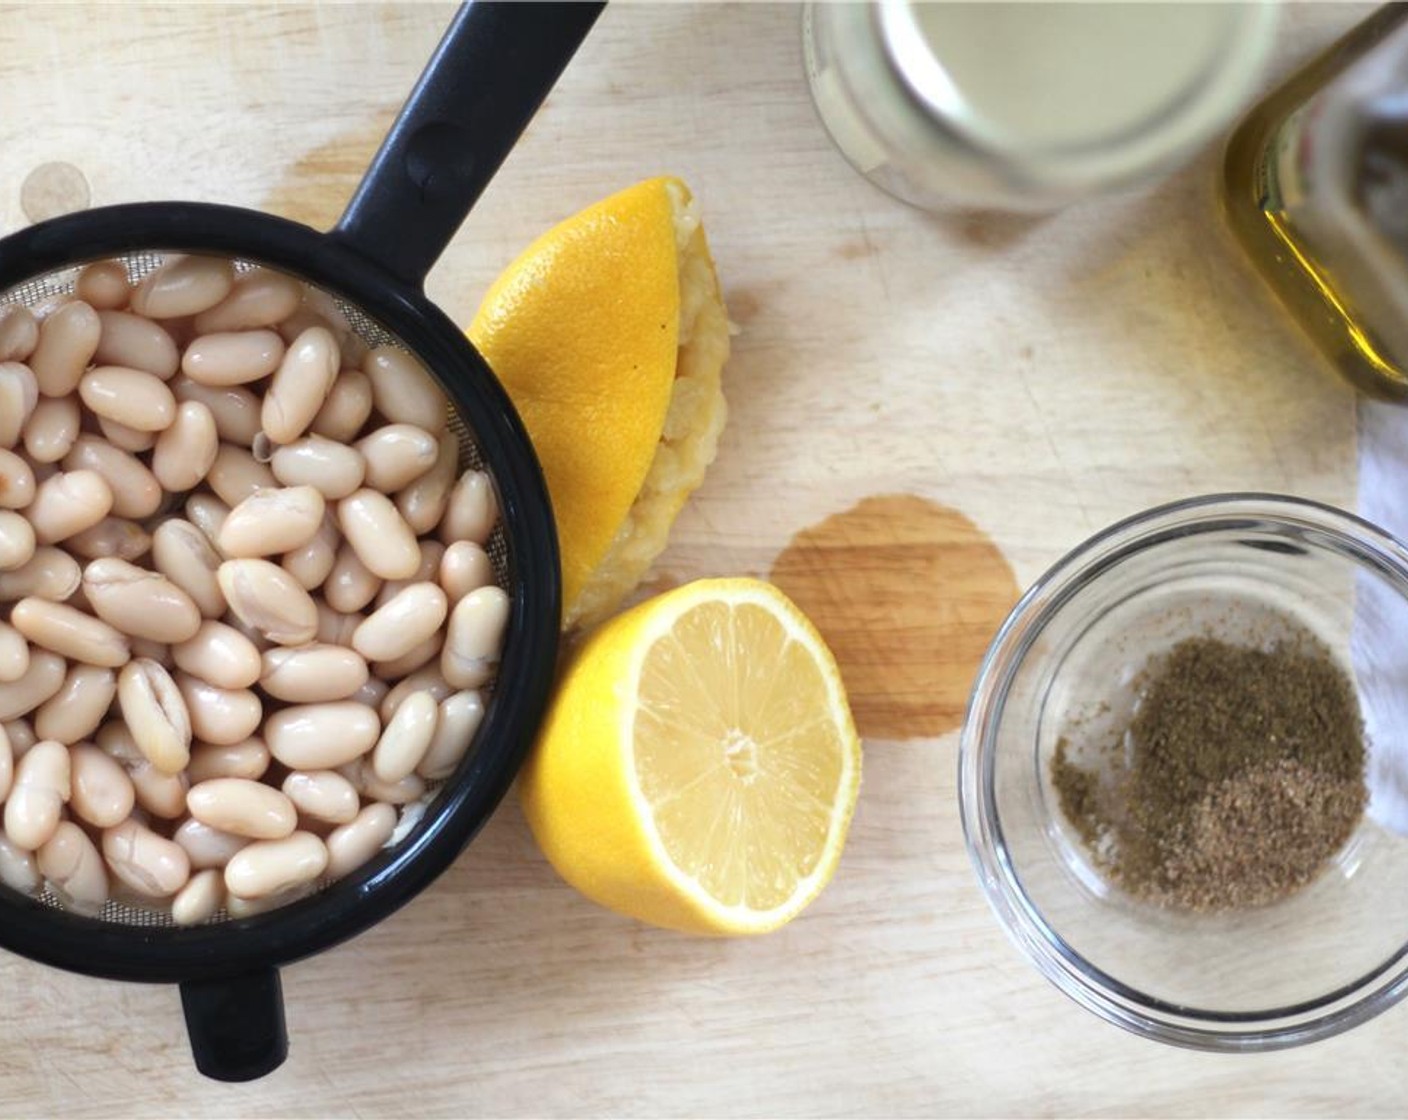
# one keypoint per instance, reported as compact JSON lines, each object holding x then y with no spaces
{"x":1244,"y":776}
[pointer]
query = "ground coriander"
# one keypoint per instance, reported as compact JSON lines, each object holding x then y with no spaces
{"x":1244,"y":776}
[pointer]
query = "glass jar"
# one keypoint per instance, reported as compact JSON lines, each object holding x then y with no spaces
{"x":1027,"y":106}
{"x":1316,"y":191}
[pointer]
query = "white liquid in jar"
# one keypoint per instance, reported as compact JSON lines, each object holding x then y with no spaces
{"x":1054,"y":75}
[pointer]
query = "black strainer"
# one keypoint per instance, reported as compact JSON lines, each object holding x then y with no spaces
{"x":490,"y":73}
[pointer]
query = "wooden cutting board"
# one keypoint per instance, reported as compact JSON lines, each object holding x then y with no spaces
{"x":925,"y":412}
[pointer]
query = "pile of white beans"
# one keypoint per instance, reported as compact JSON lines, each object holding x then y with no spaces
{"x":246,"y":610}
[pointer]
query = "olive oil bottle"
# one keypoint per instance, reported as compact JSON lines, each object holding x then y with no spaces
{"x":1316,"y":191}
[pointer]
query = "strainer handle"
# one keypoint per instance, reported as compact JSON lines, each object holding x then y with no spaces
{"x":491,"y":71}
{"x":236,"y":1025}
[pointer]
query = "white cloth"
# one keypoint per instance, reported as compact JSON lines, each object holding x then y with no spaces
{"x":1379,"y":640}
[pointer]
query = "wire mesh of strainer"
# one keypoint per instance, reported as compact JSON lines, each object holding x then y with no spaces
{"x":353,"y":325}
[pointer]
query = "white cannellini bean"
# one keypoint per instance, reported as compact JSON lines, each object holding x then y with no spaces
{"x":50,"y":574}
{"x":417,"y":657}
{"x":234,"y":408}
{"x":353,"y":844}
{"x":464,"y":567}
{"x":235,"y":474}
{"x":460,"y":717}
{"x":135,"y":342}
{"x":268,"y":599}
{"x":396,"y":455}
{"x":112,"y":536}
{"x":207,"y":847}
{"x":207,"y":513}
{"x":334,"y":627}
{"x":17,"y":542}
{"x":67,"y":503}
{"x":102,"y":793}
{"x":185,"y":556}
{"x":71,"y":864}
{"x":19,"y":333}
{"x":14,"y":654}
{"x":200,"y":899}
{"x":270,"y":866}
{"x":472,"y":510}
{"x":75,"y":711}
{"x":382,"y":540}
{"x":183,"y":285}
{"x":313,"y":673}
{"x":51,"y":429}
{"x":430,"y":554}
{"x":103,"y":285}
{"x":259,"y":298}
{"x":186,"y":451}
{"x":334,"y":468}
{"x":21,"y":735}
{"x":156,"y":714}
{"x":248,"y":758}
{"x":300,"y":386}
{"x":406,"y":738}
{"x":71,"y":633}
{"x":131,"y":397}
{"x":403,"y":391}
{"x":364,"y":779}
{"x":43,"y":678}
{"x":140,"y":602}
{"x":243,"y":807}
{"x":323,"y":795}
{"x":232,"y":357}
{"x":125,"y":438}
{"x":349,"y":585}
{"x":38,"y":795}
{"x":7,"y":763}
{"x":148,"y":863}
{"x":18,"y":868}
{"x":269,"y":522}
{"x":372,"y":693}
{"x":347,"y":407}
{"x":223,"y":716}
{"x":428,"y":679}
{"x":321,"y":736}
{"x":19,"y":397}
{"x":474,"y":639}
{"x":16,"y":480}
{"x":219,"y":654}
{"x":407,"y":620}
{"x":161,"y":795}
{"x":312,"y":563}
{"x":67,"y":341}
{"x":136,"y":493}
{"x":424,"y":501}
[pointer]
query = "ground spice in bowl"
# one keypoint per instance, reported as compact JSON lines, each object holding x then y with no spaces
{"x":1239,"y":777}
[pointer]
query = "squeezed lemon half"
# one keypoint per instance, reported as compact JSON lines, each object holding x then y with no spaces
{"x":610,"y":335}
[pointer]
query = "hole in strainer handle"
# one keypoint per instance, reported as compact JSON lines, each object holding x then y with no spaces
{"x":236,"y":1025}
{"x":487,"y":78}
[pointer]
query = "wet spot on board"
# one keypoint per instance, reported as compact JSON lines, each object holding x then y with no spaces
{"x":908,"y":594}
{"x":743,"y":305}
{"x":855,"y":250}
{"x":317,"y":188}
{"x":52,"y":190}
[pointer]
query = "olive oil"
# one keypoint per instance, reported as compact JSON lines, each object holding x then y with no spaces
{"x":1296,"y":234}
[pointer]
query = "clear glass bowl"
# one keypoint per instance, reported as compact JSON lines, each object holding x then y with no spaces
{"x":1247,"y":568}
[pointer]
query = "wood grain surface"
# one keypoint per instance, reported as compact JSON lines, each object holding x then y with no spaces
{"x":958,"y":398}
